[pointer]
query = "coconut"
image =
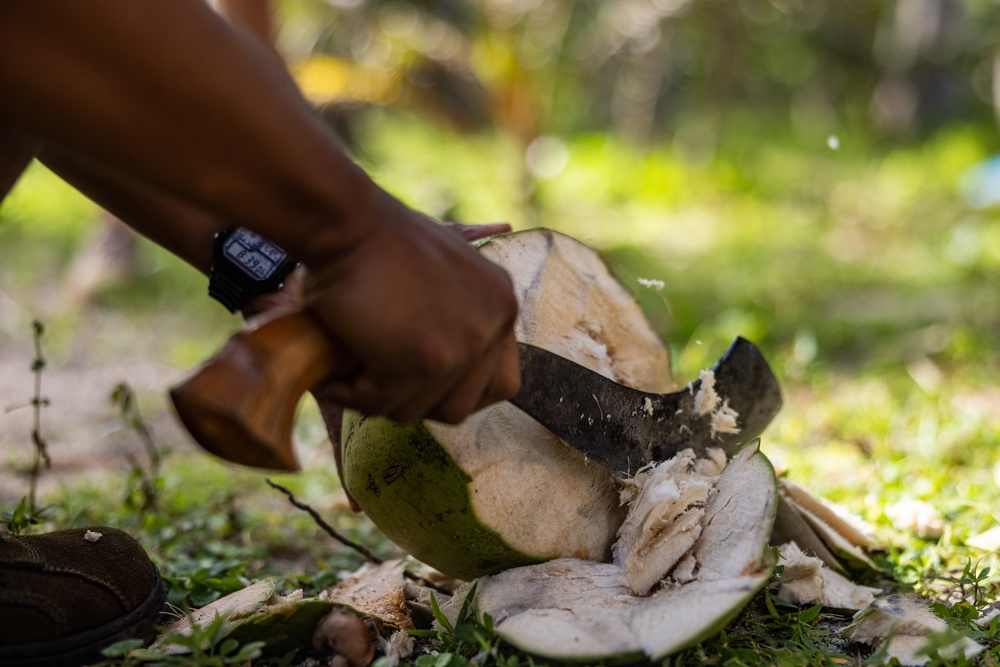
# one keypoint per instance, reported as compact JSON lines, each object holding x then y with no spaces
{"x":500,"y":490}
{"x":701,"y":560}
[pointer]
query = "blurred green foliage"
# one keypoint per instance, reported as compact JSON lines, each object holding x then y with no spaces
{"x":793,"y":171}
{"x":644,"y":68}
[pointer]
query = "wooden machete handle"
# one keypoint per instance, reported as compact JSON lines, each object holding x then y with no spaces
{"x":241,"y":403}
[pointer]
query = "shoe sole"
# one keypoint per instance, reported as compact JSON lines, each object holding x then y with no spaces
{"x":85,"y":647}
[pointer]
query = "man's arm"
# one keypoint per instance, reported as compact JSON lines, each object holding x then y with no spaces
{"x":178,"y":226}
{"x":166,"y":91}
{"x":149,"y":211}
{"x":256,"y":16}
{"x":16,"y":152}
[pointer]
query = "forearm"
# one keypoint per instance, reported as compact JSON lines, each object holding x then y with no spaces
{"x":182,"y":228}
{"x":166,"y":91}
{"x":16,"y":152}
{"x":256,"y":16}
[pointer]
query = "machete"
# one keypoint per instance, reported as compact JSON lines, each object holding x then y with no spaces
{"x":240,"y":404}
{"x":623,"y":428}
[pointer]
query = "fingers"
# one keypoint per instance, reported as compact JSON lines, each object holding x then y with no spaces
{"x":398,"y":399}
{"x":496,"y":378}
{"x":426,"y":316}
{"x":287,"y":297}
{"x":506,"y":379}
{"x":475,"y":232}
{"x":333,"y":417}
{"x":493,"y":376}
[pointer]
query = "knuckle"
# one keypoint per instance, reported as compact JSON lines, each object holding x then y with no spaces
{"x":507,"y":387}
{"x":506,"y":383}
{"x":452,"y":412}
{"x":437,"y":361}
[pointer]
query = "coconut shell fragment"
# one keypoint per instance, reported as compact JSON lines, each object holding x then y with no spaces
{"x":805,"y":580}
{"x":820,"y":530}
{"x":668,"y":503}
{"x":902,"y":627}
{"x":374,"y":590}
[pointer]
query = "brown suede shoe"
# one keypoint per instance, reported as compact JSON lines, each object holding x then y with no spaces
{"x":66,"y":595}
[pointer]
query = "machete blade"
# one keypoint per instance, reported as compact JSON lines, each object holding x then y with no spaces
{"x":623,"y":429}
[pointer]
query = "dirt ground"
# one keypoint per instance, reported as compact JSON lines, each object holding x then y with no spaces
{"x":88,"y":353}
{"x":87,"y":356}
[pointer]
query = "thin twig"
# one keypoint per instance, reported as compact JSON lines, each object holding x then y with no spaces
{"x":38,"y":402}
{"x":330,"y":530}
{"x":361,"y":549}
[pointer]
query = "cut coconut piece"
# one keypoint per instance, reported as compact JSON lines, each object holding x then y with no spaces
{"x":790,"y":526}
{"x":988,"y":614}
{"x":806,"y":581}
{"x":232,"y":607}
{"x":908,"y":625}
{"x":500,"y":490}
{"x":569,"y":299}
{"x":255,"y":613}
{"x":291,"y":622}
{"x":848,"y":530}
{"x":569,"y":609}
{"x":986,"y":541}
{"x":916,"y":516}
{"x":847,"y":541}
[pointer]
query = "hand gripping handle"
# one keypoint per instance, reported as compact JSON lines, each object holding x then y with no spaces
{"x":240,"y":404}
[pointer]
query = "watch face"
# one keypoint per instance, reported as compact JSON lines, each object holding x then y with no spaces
{"x":258,"y":258}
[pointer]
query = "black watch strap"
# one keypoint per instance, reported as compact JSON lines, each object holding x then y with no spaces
{"x":228,"y":292}
{"x":245,"y":266}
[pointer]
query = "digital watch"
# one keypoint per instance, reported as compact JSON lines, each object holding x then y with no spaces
{"x":246,"y":265}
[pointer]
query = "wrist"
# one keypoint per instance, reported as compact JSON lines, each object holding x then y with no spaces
{"x":342,"y":210}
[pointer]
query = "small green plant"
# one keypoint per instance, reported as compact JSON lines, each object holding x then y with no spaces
{"x":21,"y":519}
{"x":464,"y":642}
{"x":973,"y":584}
{"x":195,"y":582}
{"x":144,"y":484}
{"x":27,"y":513}
{"x":204,"y":646}
{"x":37,"y":403}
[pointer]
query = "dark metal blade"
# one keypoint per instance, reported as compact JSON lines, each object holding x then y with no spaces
{"x":623,"y":428}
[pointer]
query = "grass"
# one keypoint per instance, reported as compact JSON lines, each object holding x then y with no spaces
{"x":861,"y":272}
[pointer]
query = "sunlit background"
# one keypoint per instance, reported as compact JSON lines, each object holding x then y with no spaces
{"x":815,"y":175}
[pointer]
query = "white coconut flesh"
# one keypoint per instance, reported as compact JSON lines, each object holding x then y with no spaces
{"x":522,"y":487}
{"x":666,"y":509}
{"x":577,"y":610}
